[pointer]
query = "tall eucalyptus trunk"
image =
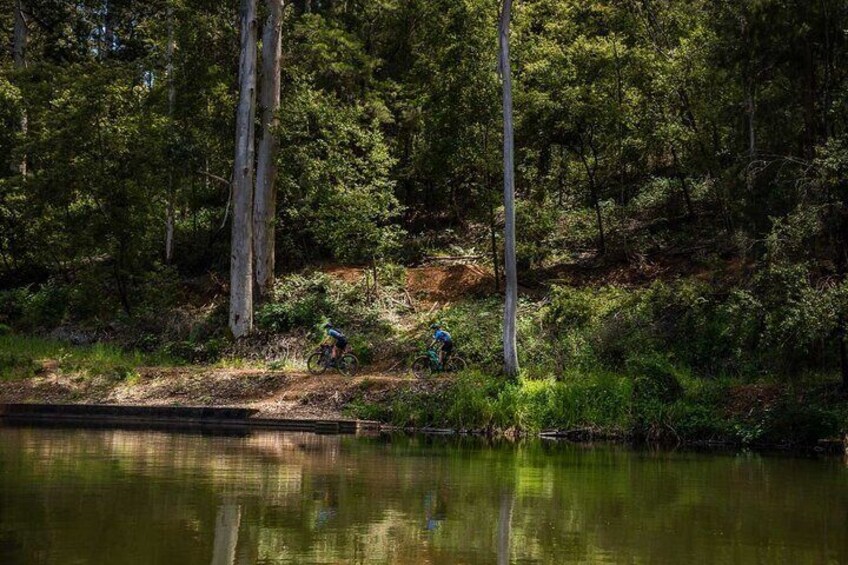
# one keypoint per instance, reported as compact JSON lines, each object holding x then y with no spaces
{"x":19,"y":47}
{"x":265,"y":199}
{"x":510,"y":269}
{"x":241,"y":243}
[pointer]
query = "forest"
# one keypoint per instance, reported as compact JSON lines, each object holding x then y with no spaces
{"x":681,"y":183}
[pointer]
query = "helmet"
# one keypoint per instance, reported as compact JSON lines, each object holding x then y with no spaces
{"x":435,"y":326}
{"x":327,"y":326}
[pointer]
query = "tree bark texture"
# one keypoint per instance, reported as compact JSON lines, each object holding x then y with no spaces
{"x":265,"y":199}
{"x":510,"y":269}
{"x":241,"y":244}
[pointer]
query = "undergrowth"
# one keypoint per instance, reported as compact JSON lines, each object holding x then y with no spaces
{"x":23,"y":356}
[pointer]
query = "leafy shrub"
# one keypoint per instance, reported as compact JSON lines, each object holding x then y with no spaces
{"x":697,"y":420}
{"x":307,"y":301}
{"x":191,"y":351}
{"x":655,"y":378}
{"x":13,"y":303}
{"x":392,"y":275}
{"x":535,"y":225}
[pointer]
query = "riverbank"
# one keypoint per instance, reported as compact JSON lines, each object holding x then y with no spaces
{"x":683,"y":360}
{"x":658,"y":406}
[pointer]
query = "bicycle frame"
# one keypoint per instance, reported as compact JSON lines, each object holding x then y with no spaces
{"x":326,"y":355}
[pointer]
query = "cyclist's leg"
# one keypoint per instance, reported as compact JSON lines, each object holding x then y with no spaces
{"x":447,"y":349}
{"x":339,"y":349}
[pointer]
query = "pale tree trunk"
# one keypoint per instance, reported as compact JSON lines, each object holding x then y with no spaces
{"x":241,"y":244}
{"x":19,"y":46}
{"x":172,"y":96}
{"x":511,"y":303}
{"x":265,"y":199}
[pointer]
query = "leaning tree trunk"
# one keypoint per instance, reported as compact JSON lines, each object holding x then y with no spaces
{"x":241,"y":244}
{"x":511,"y":303}
{"x":265,"y":199}
{"x":19,"y":46}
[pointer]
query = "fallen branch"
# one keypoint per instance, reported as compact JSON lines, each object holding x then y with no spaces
{"x":453,"y":258}
{"x":214,"y":177}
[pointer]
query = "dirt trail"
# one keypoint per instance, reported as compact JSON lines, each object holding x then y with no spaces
{"x":281,"y":394}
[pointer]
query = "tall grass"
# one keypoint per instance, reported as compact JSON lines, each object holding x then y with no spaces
{"x":476,"y":400}
{"x":22,"y":356}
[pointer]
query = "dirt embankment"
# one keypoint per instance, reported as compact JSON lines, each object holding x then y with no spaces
{"x":433,"y":284}
{"x":274,"y":393}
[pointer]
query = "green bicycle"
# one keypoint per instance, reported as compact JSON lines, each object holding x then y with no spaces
{"x":322,"y":359}
{"x":427,"y":365}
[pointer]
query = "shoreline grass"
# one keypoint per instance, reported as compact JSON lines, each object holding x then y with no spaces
{"x":22,"y":356}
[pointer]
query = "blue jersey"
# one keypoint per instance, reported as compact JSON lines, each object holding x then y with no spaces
{"x":442,"y":336}
{"x":335,"y":334}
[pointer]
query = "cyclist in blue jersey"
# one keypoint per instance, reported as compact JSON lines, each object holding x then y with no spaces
{"x":335,"y":338}
{"x":442,"y":338}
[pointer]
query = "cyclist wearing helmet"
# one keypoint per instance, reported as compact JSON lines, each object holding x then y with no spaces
{"x":442,"y":337}
{"x":335,"y":338}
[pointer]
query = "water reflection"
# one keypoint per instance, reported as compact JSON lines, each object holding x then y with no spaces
{"x":227,"y":526}
{"x":70,"y":496}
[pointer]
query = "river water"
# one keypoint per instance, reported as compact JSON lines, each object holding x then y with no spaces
{"x":71,"y":496}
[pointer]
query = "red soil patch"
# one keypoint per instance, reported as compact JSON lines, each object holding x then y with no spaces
{"x":448,"y":283}
{"x":347,"y":274}
{"x":744,"y":400}
{"x":436,"y":283}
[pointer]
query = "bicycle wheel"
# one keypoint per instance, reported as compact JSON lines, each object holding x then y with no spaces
{"x":348,"y":364}
{"x":421,"y":367}
{"x":315,"y":363}
{"x":456,"y":364}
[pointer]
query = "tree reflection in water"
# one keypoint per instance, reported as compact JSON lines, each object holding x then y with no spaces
{"x":109,"y":496}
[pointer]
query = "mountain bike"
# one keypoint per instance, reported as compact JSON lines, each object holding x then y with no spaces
{"x":428,"y":365}
{"x":322,"y":359}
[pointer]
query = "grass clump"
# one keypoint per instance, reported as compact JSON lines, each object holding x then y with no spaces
{"x":19,"y":352}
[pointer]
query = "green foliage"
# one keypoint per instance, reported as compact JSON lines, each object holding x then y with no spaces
{"x":14,"y":366}
{"x":307,"y":301}
{"x":335,"y":177}
{"x":195,"y":351}
{"x":35,"y":309}
{"x":535,"y":226}
{"x":476,"y":401}
{"x":655,"y":378}
{"x":26,"y":353}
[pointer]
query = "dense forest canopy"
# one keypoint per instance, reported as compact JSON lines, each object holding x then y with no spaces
{"x":643,"y":128}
